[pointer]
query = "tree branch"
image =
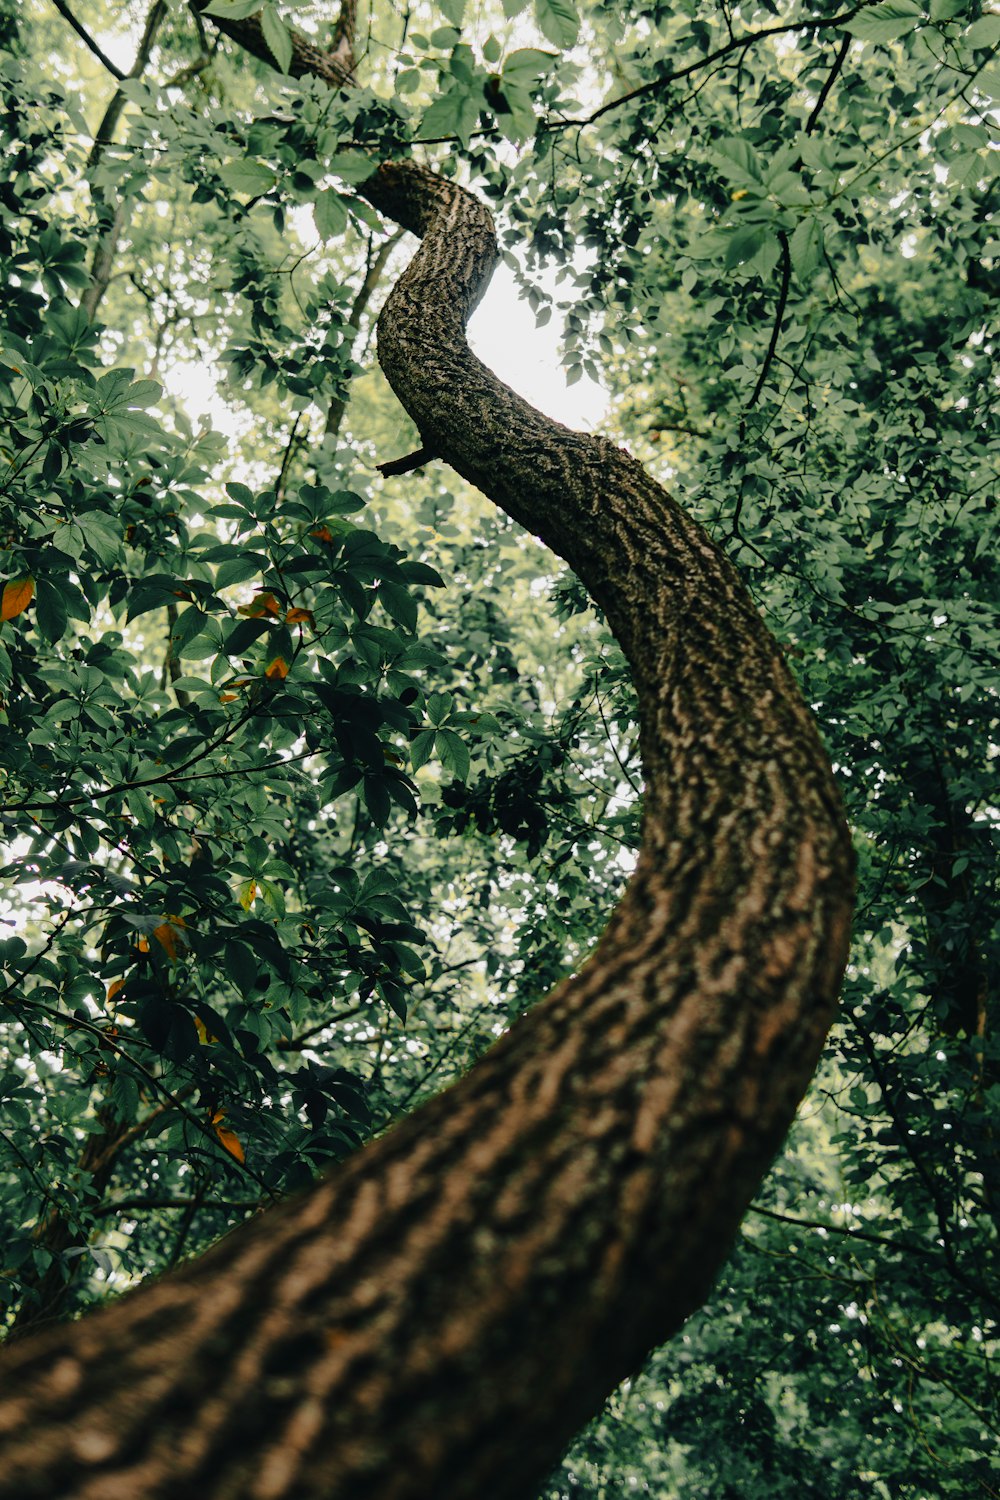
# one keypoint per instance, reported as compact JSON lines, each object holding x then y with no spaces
{"x":372,"y":277}
{"x":406,"y":465}
{"x":151,"y":1205}
{"x":738,"y":44}
{"x":779,"y":313}
{"x":102,"y":263}
{"x":831,"y":79}
{"x":87,"y":39}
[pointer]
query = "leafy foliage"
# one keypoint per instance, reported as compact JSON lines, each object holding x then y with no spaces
{"x":312,"y":782}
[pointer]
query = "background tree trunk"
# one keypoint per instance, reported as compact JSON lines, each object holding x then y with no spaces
{"x":440,"y":1315}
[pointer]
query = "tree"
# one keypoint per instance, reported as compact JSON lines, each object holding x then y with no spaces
{"x":580,"y":1188}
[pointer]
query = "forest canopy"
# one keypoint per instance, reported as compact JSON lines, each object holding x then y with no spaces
{"x":318,"y":770}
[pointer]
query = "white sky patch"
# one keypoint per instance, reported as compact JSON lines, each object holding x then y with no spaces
{"x":502,"y":332}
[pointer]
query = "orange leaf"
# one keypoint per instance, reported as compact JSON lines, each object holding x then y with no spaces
{"x":322,"y":534}
{"x":143,"y":944}
{"x":263,"y":604}
{"x":17,"y":595}
{"x":300,"y":616}
{"x":277,"y":668}
{"x":114,"y":987}
{"x":228,"y":697}
{"x":204,"y":1035}
{"x":227,"y":1140}
{"x":168,"y":936}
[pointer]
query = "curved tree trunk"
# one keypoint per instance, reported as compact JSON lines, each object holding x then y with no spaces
{"x":440,"y":1315}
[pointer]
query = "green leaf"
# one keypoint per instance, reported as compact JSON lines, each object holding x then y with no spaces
{"x":233,"y":10}
{"x":738,"y":161}
{"x":237,"y":570}
{"x":886,"y":22}
{"x":558,"y":21}
{"x":985,"y":32}
{"x":454,"y":10}
{"x":50,"y":610}
{"x":455,"y":113}
{"x":353,"y":166}
{"x":103,"y":535}
{"x":330,"y":214}
{"x":527,"y":65}
{"x":397,"y":602}
{"x":806,"y":247}
{"x":277,"y":37}
{"x":512,"y":8}
{"x":247,"y":177}
{"x":743,"y":245}
{"x":422,"y":748}
{"x":376,"y":799}
{"x":141,"y":807}
{"x":452,"y":752}
{"x":241,"y":966}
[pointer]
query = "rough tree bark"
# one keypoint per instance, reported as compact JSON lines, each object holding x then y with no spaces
{"x":439,"y":1316}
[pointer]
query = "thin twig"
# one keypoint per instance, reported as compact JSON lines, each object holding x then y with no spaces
{"x":126,"y":1205}
{"x":779,"y":313}
{"x":739,"y":44}
{"x":831,"y":79}
{"x":87,"y":39}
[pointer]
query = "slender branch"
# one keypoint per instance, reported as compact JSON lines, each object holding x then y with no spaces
{"x":102,"y":263}
{"x":408,"y":464}
{"x":831,"y":79}
{"x":174,"y":1099}
{"x":903,"y":1246}
{"x":87,"y":39}
{"x":779,"y":313}
{"x":135,"y":1132}
{"x":372,"y":277}
{"x":286,"y":459}
{"x":127,"y":1205}
{"x":105,"y":131}
{"x":738,"y":44}
{"x":614,"y":748}
{"x":296,"y":1043}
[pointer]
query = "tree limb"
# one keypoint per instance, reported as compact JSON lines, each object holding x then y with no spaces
{"x":738,"y":44}
{"x":828,"y":83}
{"x":406,"y":465}
{"x":87,"y":39}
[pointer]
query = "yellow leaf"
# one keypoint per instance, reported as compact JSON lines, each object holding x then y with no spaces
{"x":227,"y":1139}
{"x":277,"y":668}
{"x":263,"y":604}
{"x":17,"y":595}
{"x":230,"y":1142}
{"x":204,"y":1035}
{"x":248,"y":891}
